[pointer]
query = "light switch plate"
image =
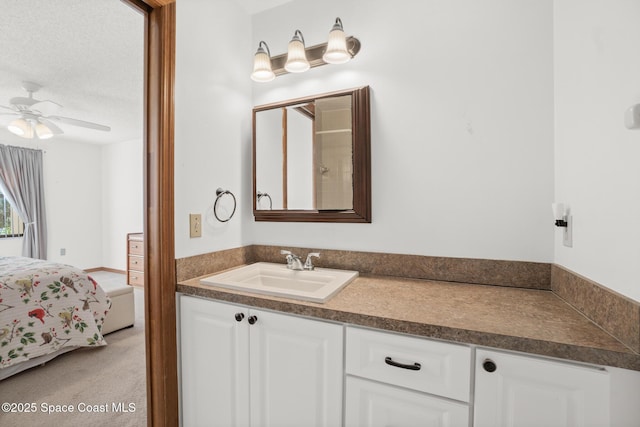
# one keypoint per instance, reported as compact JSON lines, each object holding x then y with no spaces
{"x":567,"y":236}
{"x":195,"y":225}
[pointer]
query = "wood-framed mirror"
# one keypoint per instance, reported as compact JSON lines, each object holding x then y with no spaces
{"x":312,"y":158}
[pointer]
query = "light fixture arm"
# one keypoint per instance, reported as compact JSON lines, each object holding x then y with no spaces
{"x":266,"y":46}
{"x":298,"y":36}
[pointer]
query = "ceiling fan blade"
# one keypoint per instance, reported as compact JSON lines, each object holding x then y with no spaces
{"x":80,"y":123}
{"x":54,"y":128}
{"x":46,"y":107}
{"x":9,"y":114}
{"x":8,"y":108}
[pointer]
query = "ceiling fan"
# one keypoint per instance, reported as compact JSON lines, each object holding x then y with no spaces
{"x":36,"y":118}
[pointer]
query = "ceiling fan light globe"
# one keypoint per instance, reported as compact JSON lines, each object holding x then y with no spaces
{"x":20,"y":127}
{"x":15,"y":130}
{"x":43,"y":131}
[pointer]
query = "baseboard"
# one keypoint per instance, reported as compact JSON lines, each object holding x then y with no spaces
{"x":111,"y":270}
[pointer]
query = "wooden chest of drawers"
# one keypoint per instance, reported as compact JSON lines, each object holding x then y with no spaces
{"x":135,"y":259}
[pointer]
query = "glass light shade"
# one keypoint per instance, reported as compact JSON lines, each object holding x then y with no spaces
{"x":43,"y":131}
{"x":262,"y":71}
{"x":296,"y":55}
{"x":21,"y":128}
{"x":336,"y":52}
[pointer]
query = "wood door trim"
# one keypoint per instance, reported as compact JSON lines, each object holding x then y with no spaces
{"x":285,"y":160}
{"x":160,"y":276}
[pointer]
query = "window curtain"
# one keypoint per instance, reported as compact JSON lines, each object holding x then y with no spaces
{"x":22,"y":183}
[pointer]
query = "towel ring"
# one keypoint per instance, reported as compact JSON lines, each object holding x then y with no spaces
{"x":261,"y":195}
{"x":219,"y":193}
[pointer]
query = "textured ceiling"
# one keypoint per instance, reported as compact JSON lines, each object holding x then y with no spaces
{"x":87,"y":55}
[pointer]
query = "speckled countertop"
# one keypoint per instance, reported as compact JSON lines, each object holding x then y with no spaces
{"x":532,"y":321}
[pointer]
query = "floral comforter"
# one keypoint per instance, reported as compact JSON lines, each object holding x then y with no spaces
{"x":46,"y":306}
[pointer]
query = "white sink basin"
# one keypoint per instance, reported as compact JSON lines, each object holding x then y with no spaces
{"x":276,"y":279}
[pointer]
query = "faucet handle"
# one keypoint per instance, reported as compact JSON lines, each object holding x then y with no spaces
{"x":308,"y":265}
{"x":291,"y":257}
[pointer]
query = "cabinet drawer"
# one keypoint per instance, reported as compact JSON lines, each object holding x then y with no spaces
{"x":136,"y":278}
{"x":136,"y":247}
{"x":374,"y":404}
{"x":433,"y":367}
{"x":136,"y":263}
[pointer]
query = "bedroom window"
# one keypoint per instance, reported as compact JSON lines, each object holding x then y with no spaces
{"x":11,"y":224}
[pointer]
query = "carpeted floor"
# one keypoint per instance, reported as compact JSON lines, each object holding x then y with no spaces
{"x":108,"y":381}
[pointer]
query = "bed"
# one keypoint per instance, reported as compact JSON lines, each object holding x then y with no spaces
{"x":46,"y":309}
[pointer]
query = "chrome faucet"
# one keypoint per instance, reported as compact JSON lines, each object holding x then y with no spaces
{"x":293,"y":261}
{"x":308,"y":265}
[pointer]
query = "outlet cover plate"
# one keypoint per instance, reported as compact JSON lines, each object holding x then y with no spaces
{"x":195,"y":225}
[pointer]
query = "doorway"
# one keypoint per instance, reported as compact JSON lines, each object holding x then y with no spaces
{"x":160,"y":284}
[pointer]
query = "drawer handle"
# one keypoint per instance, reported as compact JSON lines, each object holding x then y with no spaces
{"x":415,"y":367}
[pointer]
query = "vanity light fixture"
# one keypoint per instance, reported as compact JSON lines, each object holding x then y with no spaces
{"x":338,"y":50}
{"x":262,"y":71}
{"x":296,"y":55}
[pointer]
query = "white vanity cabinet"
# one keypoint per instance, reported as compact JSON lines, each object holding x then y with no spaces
{"x":248,"y":367}
{"x":400,"y":380}
{"x":244,"y":367}
{"x":514,"y":390}
{"x":214,"y":361}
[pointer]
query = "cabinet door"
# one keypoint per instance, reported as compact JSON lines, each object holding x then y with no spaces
{"x":529,"y":392}
{"x":374,"y":404}
{"x":214,"y":359}
{"x":296,"y":371}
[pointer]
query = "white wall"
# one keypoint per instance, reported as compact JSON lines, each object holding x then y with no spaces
{"x":93,"y":197}
{"x":72,"y":181}
{"x":122,"y":199}
{"x":212,"y":122}
{"x":462,"y":123}
{"x":597,"y":77}
{"x":483,"y":113}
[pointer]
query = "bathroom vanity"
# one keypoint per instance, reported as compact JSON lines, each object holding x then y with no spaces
{"x":400,"y":351}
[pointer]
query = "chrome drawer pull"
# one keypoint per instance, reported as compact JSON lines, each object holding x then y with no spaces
{"x":415,"y":367}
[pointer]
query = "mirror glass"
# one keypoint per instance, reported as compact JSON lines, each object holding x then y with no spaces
{"x":311,"y":159}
